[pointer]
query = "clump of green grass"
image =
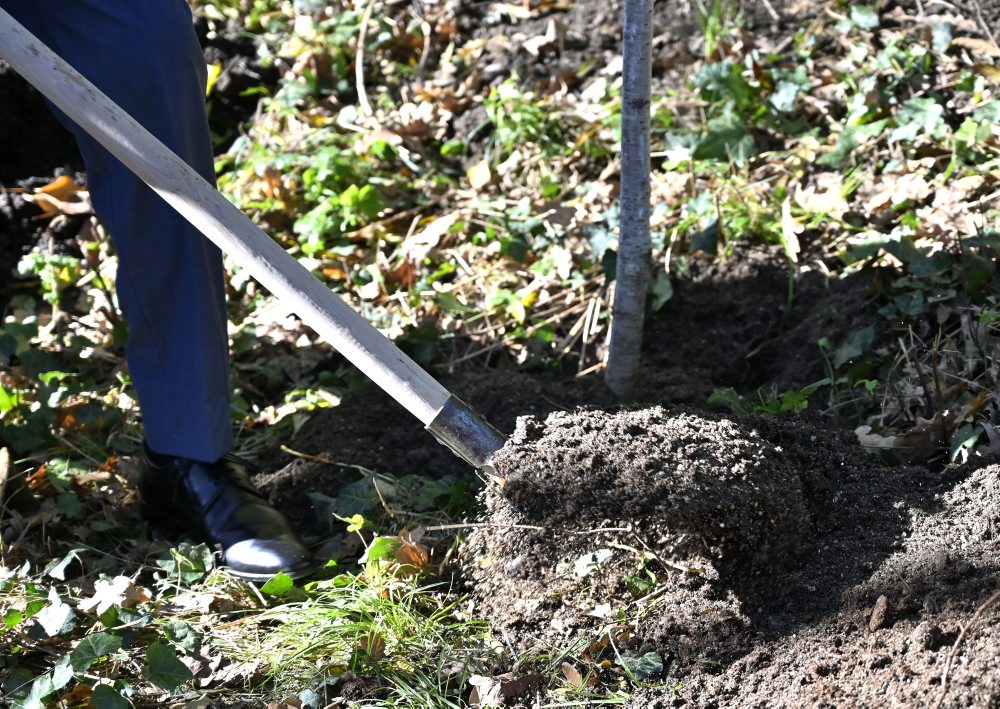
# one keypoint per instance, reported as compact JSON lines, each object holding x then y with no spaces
{"x":379,"y":623}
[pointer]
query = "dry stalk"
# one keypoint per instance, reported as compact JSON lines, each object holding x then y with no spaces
{"x":4,"y":471}
{"x":572,"y":336}
{"x":983,"y":24}
{"x":958,"y":643}
{"x":327,"y":460}
{"x":359,"y":61}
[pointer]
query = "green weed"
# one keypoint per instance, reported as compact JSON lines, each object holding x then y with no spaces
{"x":789,"y":402}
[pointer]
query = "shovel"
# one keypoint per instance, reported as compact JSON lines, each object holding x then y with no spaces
{"x":445,"y":416}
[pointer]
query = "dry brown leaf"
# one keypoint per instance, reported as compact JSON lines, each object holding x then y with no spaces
{"x":969,"y":183}
{"x":978,"y":46}
{"x":61,"y":188}
{"x":405,"y":274}
{"x":479,"y":175}
{"x":949,"y":213}
{"x":485,"y":691}
{"x":873,"y":442}
{"x":61,"y":196}
{"x":411,"y":553}
{"x":520,"y":685}
{"x":527,"y":10}
{"x":200,"y":603}
{"x":926,"y":440}
{"x":551,"y":41}
{"x":989,"y":71}
{"x":286,"y":704}
{"x":670,"y":187}
{"x":514,"y":12}
{"x":40,"y":485}
{"x":120,"y":590}
{"x":418,"y":246}
{"x":78,"y":696}
{"x":899,"y":189}
{"x":572,"y":675}
{"x":824,"y":195}
{"x":373,"y":645}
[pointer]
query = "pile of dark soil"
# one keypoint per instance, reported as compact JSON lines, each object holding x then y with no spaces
{"x":790,"y":567}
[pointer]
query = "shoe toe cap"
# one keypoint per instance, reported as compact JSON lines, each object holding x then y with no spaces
{"x":260,"y":559}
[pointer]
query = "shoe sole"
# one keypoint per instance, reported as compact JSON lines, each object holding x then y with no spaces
{"x":294,"y":574}
{"x":170,"y":528}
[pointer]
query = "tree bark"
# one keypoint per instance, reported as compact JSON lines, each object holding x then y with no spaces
{"x":634,"y":242}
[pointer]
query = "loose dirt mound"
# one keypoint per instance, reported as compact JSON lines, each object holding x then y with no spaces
{"x":768,"y":562}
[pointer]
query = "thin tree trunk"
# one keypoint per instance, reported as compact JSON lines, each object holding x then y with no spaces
{"x":633,"y":244}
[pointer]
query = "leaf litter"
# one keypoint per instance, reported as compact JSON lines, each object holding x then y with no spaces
{"x":888,"y":190}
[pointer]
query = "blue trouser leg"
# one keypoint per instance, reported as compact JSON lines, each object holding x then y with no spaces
{"x":144,"y":54}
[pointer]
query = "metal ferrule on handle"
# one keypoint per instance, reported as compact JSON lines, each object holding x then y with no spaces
{"x":469,"y":435}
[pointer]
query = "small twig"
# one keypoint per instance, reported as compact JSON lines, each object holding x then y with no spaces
{"x":385,"y":505}
{"x":591,"y":369}
{"x":528,"y":332}
{"x":476,"y":525}
{"x":958,"y":643}
{"x":359,"y":61}
{"x":598,"y":530}
{"x":425,"y":52}
{"x":4,"y":471}
{"x":326,"y":460}
{"x":983,"y":25}
{"x":770,"y":10}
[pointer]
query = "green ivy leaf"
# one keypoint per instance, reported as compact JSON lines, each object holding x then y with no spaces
{"x":165,"y":670}
{"x":380,"y":548}
{"x":93,"y":647}
{"x":57,"y":618}
{"x":864,"y":17}
{"x":35,"y":699}
{"x":69,"y":506}
{"x":858,"y":343}
{"x":640,"y":666}
{"x":727,"y":137}
{"x":354,"y":498}
{"x":279,"y":585}
{"x":784,"y":96}
{"x":12,"y":618}
{"x":919,"y":117}
{"x":662,"y":290}
{"x":187,"y":638}
{"x":188,"y":561}
{"x":17,"y":684}
{"x":963,"y":438}
{"x":105,"y":697}
{"x":62,"y":672}
{"x":728,"y":397}
{"x":57,"y":567}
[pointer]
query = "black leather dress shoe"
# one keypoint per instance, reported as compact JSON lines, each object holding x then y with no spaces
{"x":216,"y":503}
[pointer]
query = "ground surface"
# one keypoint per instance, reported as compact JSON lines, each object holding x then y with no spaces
{"x":794,"y":568}
{"x":765,"y":562}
